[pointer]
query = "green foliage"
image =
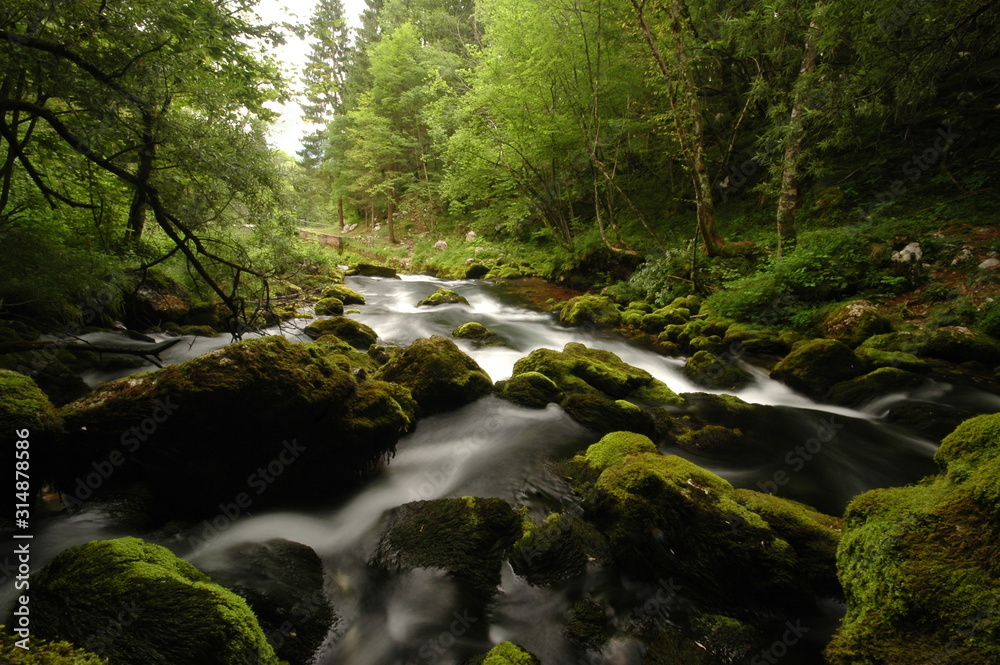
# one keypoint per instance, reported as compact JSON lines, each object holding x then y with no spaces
{"x":44,"y":652}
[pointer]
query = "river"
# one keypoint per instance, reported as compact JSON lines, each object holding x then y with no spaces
{"x":492,"y":448}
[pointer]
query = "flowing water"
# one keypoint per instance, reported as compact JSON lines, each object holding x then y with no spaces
{"x":492,"y":448}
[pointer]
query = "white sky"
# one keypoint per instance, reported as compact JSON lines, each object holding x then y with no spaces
{"x":288,"y":129}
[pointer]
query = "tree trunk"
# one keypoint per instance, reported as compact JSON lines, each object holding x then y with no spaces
{"x":391,"y":222}
{"x":340,"y":212}
{"x":689,"y":125}
{"x":788,"y":199}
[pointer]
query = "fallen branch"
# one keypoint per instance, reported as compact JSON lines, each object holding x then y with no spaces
{"x":152,"y":353}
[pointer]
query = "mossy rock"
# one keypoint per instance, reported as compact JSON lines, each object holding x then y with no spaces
{"x":715,"y":441}
{"x":708,"y":370}
{"x":438,"y":374}
{"x":468,"y":537}
{"x":872,"y":386}
{"x":345,"y":356}
{"x":372,"y":270}
{"x":602,"y":415}
{"x":815,"y":367}
{"x":639,"y":306}
{"x":692,"y":303}
{"x":587,"y":627}
{"x":707,"y":639}
{"x":665,"y":517}
{"x":614,"y":447}
{"x":918,"y":564}
{"x":743,"y":338}
{"x":156,"y":300}
{"x":282,"y":582}
{"x":44,"y":652}
{"x":329,"y":307}
{"x":854,"y":322}
{"x":212,"y":422}
{"x":557,"y":551}
{"x":726,"y":426}
{"x":168,"y":611}
{"x":479,"y":334}
{"x":958,"y":345}
{"x":344,"y":294}
{"x":589,"y":309}
{"x":16,"y":331}
{"x":531,"y":389}
{"x":877,"y":359}
{"x":199,"y":331}
{"x":710,"y":343}
{"x":353,"y":332}
{"x":672,"y":333}
{"x":23,"y":406}
{"x":210,"y":314}
{"x":936,"y":421}
{"x":505,"y":653}
{"x":443,"y":297}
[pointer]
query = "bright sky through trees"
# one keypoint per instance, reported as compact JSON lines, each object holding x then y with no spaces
{"x":288,"y":130}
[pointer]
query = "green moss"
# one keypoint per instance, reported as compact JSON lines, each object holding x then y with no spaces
{"x":692,"y":303}
{"x":468,"y":537}
{"x":710,"y":371}
{"x":814,"y":367}
{"x":199,"y":331}
{"x":344,"y":294}
{"x":615,"y":447}
{"x":753,"y":339}
{"x":639,"y":306}
{"x":854,"y":322}
{"x":329,"y":307}
{"x":438,"y":374}
{"x":479,"y":334}
{"x":589,"y":309}
{"x":664,"y":516}
{"x":874,"y":385}
{"x":443,"y":297}
{"x":587,"y":627}
{"x":711,"y":343}
{"x":632,"y":318}
{"x":44,"y":652}
{"x":876,"y":359}
{"x":508,"y":653}
{"x":557,"y":551}
{"x":371,"y":270}
{"x":918,"y":564}
{"x":24,"y":406}
{"x":169,"y":611}
{"x":353,"y":332}
{"x":600,"y":414}
{"x":531,"y":389}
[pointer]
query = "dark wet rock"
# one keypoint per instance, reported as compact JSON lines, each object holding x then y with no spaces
{"x":589,"y":309}
{"x":708,"y":370}
{"x":282,"y":582}
{"x":477,"y":271}
{"x":557,"y":551}
{"x":918,"y":564}
{"x":467,"y":537}
{"x":443,"y":297}
{"x":874,"y":385}
{"x":726,"y":426}
{"x":440,"y":376}
{"x":814,"y":367}
{"x":587,"y":627}
{"x":134,"y":602}
{"x":601,"y":414}
{"x":934,"y":420}
{"x":267,"y":419}
{"x":353,"y":332}
{"x":854,"y":322}
{"x":479,"y":334}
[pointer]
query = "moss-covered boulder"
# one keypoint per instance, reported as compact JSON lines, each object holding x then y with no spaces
{"x":264,"y":419}
{"x":595,"y":386}
{"x":44,"y":652}
{"x":656,"y":321}
{"x":877,"y":359}
{"x":589,"y":309}
{"x":353,"y":332}
{"x":505,"y":653}
{"x":614,"y":447}
{"x":958,"y":345}
{"x":710,"y":343}
{"x":872,"y":386}
{"x":854,"y":322}
{"x":443,"y":297}
{"x":814,"y":367}
{"x":919,"y":564}
{"x":282,"y":582}
{"x":438,"y":374}
{"x":199,"y":331}
{"x":558,"y":550}
{"x":746,"y":338}
{"x":344,"y":294}
{"x":602,"y":414}
{"x":706,"y":639}
{"x":665,"y":517}
{"x":24,"y":406}
{"x":372,"y":270}
{"x":329,"y":307}
{"x":133,"y":602}
{"x":479,"y":334}
{"x":708,"y":370}
{"x":531,"y":389}
{"x":936,"y":421}
{"x":468,"y":537}
{"x":725,"y":426}
{"x":155,"y":300}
